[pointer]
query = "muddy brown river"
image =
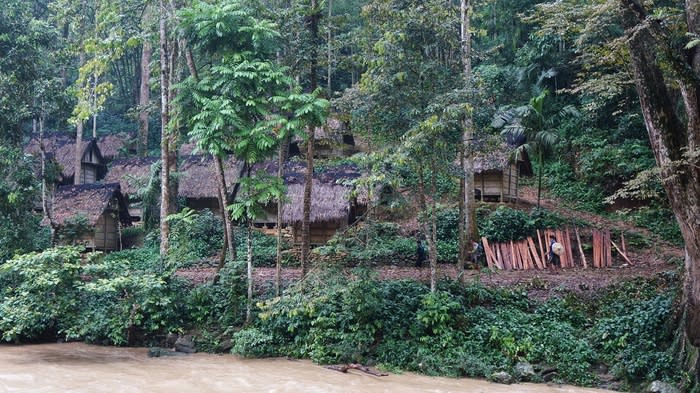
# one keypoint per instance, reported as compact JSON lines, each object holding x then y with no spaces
{"x":77,"y":367}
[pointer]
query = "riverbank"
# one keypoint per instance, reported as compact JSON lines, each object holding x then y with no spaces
{"x":82,"y":368}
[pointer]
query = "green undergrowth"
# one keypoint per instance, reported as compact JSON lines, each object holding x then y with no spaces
{"x":470,"y":330}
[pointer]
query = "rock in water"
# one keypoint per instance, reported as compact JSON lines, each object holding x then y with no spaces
{"x":501,"y":377}
{"x":662,"y":387}
{"x":185,"y":344}
{"x":524,"y":371}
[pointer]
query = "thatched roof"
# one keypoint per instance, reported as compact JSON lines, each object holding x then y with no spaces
{"x":497,"y":159}
{"x":62,"y":147}
{"x":198,"y":176}
{"x":330,"y":197}
{"x":130,"y":173}
{"x":88,"y":200}
{"x":329,"y":202}
{"x":115,"y":145}
{"x":331,"y":133}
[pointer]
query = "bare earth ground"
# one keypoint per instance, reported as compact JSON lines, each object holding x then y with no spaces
{"x":538,"y":283}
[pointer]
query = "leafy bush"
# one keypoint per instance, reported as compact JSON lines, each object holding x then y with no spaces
{"x":369,"y":244}
{"x":39,"y":293}
{"x":506,"y":224}
{"x":194,"y":235}
{"x":264,"y":249}
{"x":52,"y":293}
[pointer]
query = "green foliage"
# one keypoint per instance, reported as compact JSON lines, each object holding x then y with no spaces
{"x":19,"y":188}
{"x":369,"y":244}
{"x":506,"y":224}
{"x":120,"y":300}
{"x":119,"y":307}
{"x":659,"y":220}
{"x":194,"y":236}
{"x":73,"y":229}
{"x":39,"y":295}
{"x":562,"y":182}
{"x":264,"y":248}
{"x":220,"y":305}
{"x":466,"y":330}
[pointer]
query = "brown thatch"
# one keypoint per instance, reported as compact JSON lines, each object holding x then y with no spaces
{"x":62,"y":147}
{"x":130,"y":173}
{"x":115,"y":145}
{"x":198,"y":176}
{"x":329,"y":202}
{"x":495,"y":159}
{"x":331,"y":191}
{"x":88,"y":200}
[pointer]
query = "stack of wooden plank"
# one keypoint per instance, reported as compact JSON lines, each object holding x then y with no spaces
{"x":528,"y":254}
{"x":602,"y":251}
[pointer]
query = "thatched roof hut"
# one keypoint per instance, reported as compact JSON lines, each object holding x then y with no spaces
{"x":130,"y":173}
{"x":332,"y":203}
{"x":497,"y":171}
{"x":62,"y":148}
{"x":103,"y":207}
{"x":198,"y":183}
{"x":116,"y":145}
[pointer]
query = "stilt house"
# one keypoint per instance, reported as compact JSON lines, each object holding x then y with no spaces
{"x":132,"y":174}
{"x":198,"y":184}
{"x":91,"y":215}
{"x":333,"y":204}
{"x":497,"y":173}
{"x":62,"y":149}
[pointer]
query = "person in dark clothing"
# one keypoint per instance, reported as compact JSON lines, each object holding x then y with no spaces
{"x":420,"y":252}
{"x":553,"y":257}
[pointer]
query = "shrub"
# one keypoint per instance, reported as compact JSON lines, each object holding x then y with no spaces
{"x":194,"y":235}
{"x":39,"y":293}
{"x":370,"y":244}
{"x":506,"y":224}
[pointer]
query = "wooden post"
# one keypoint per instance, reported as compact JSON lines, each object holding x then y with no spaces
{"x":499,"y":260}
{"x":542,"y":255}
{"x":535,"y":254}
{"x":569,"y":251}
{"x":621,"y":253}
{"x":622,"y":242}
{"x":608,"y":249}
{"x":580,"y":248}
{"x":513,"y":260}
{"x":596,"y":254}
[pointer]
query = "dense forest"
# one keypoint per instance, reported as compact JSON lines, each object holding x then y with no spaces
{"x":599,"y":97}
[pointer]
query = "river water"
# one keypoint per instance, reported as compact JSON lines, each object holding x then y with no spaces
{"x":82,"y":368}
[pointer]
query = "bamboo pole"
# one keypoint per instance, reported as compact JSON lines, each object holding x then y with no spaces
{"x":513,"y":259}
{"x":621,"y":253}
{"x":500,"y":256}
{"x":569,"y":249}
{"x":622,"y":242}
{"x":580,"y":248}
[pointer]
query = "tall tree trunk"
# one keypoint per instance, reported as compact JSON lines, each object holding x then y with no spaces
{"x":249,"y":243}
{"x":281,"y":159}
{"x":470,"y":232}
{"x":674,"y":140}
{"x":330,"y":48}
{"x":462,"y":255}
{"x":223,"y":201}
{"x":144,"y":98}
{"x":94,"y":106}
{"x":308,"y":180}
{"x":425,"y":224}
{"x":165,"y":134}
{"x":79,"y":139}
